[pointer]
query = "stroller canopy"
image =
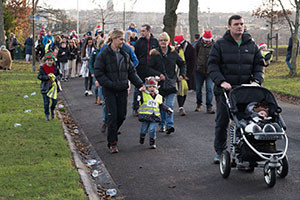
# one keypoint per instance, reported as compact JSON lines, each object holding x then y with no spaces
{"x":241,"y":96}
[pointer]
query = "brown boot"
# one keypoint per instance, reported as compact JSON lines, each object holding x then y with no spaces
{"x":198,"y":108}
{"x":210,"y":111}
{"x":96,"y":100}
{"x":100,"y":101}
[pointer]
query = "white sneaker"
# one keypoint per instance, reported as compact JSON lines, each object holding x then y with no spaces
{"x":90,"y":93}
{"x":86,"y":93}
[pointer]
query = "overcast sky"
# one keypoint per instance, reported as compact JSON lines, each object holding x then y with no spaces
{"x":159,"y":5}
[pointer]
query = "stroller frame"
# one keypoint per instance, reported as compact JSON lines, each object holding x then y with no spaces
{"x":271,"y":162}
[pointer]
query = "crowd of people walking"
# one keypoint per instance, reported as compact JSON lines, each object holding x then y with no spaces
{"x":160,"y":72}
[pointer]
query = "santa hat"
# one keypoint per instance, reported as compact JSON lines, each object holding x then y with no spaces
{"x":151,"y":81}
{"x":261,"y":45}
{"x":207,"y":36}
{"x":179,"y":39}
{"x":98,"y":27}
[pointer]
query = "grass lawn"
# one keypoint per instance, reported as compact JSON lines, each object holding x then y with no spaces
{"x":277,"y":79}
{"x":36,"y":162}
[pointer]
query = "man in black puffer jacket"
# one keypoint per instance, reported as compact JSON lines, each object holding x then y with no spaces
{"x":233,"y":60}
{"x":113,"y":69}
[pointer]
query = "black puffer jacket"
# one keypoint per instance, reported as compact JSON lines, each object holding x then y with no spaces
{"x":112,"y":76}
{"x":235,"y":64}
{"x":142,"y":50}
{"x":166,"y":65}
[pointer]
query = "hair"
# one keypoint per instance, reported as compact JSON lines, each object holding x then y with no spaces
{"x":99,"y":42}
{"x":164,"y":35}
{"x":235,"y":17}
{"x":197,"y":36}
{"x":58,"y":37}
{"x":129,"y":33}
{"x":74,"y":43}
{"x":114,"y":34}
{"x":85,"y":44}
{"x":148,"y":27}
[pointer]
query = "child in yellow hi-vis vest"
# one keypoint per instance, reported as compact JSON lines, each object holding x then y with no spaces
{"x":150,"y":104}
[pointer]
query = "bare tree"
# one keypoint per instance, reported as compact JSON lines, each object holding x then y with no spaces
{"x":193,"y":18}
{"x":106,"y":14}
{"x":294,"y":28}
{"x":170,"y":17}
{"x":2,"y":38}
{"x":271,"y":12}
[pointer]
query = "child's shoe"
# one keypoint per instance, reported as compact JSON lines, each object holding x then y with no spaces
{"x":152,"y":143}
{"x":142,"y":139}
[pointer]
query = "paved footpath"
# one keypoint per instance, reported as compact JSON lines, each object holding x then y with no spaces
{"x":181,"y":167}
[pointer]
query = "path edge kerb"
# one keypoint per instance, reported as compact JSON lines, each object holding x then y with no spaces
{"x":104,"y":179}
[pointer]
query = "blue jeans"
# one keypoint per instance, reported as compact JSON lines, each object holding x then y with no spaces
{"x":168,"y":120}
{"x":47,"y":103}
{"x":287,"y":60}
{"x":199,"y":79}
{"x":97,"y":90}
{"x":148,"y":126}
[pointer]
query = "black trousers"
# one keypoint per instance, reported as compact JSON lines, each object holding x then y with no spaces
{"x":116,"y":109}
{"x":222,"y":121}
{"x":88,"y":82}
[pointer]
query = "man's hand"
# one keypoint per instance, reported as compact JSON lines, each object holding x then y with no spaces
{"x":143,"y":88}
{"x":162,"y":77}
{"x":226,"y":86}
{"x":180,"y":78}
{"x":254,"y":83}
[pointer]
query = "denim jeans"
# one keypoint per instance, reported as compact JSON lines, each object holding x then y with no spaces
{"x":222,"y":121}
{"x":97,"y":90}
{"x":47,"y":103}
{"x":148,"y":126}
{"x":168,"y":120}
{"x":287,"y":60}
{"x":199,"y":79}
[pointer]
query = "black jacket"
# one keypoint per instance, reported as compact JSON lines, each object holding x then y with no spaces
{"x":114,"y":77}
{"x":202,"y":50}
{"x":235,"y":64}
{"x":142,"y":50}
{"x":166,"y":64}
{"x":45,"y":81}
{"x":72,"y":53}
{"x":63,"y":58}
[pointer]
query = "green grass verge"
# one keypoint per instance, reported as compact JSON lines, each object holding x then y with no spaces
{"x":277,"y":79}
{"x":36,"y":162}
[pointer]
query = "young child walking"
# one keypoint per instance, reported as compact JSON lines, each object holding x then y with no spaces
{"x":48,"y":75}
{"x":150,"y":104}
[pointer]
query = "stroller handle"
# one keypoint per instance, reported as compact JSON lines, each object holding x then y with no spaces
{"x":235,"y":119}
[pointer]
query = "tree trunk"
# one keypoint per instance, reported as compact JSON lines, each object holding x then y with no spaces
{"x":2,"y":37}
{"x":193,"y":19}
{"x":293,"y":70}
{"x":170,"y":18}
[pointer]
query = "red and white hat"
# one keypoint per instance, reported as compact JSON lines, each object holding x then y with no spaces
{"x":261,"y":45}
{"x":207,"y":36}
{"x":179,"y":39}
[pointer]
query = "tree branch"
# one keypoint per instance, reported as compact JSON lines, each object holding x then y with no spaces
{"x":291,"y":24}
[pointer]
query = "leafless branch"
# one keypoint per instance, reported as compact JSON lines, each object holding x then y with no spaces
{"x":291,"y":23}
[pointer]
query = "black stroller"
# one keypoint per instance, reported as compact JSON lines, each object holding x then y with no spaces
{"x":250,"y":145}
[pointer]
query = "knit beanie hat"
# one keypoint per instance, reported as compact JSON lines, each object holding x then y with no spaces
{"x":179,"y":39}
{"x":207,"y":36}
{"x":49,"y":55}
{"x":151,"y":81}
{"x":261,"y":45}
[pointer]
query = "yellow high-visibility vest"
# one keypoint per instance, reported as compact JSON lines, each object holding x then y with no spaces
{"x":150,"y":106}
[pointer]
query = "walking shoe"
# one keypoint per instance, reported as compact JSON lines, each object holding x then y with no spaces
{"x":152,"y":143}
{"x":113,"y":149}
{"x":198,"y":108}
{"x":100,"y":101}
{"x":210,"y":111}
{"x":182,"y":112}
{"x":86,"y":93}
{"x":217,"y":159}
{"x":142,"y":139}
{"x":162,"y":129}
{"x":103,"y":128}
{"x":52,"y":114}
{"x":90,"y":93}
{"x":47,"y":117}
{"x":170,"y":130}
{"x":96,"y":100}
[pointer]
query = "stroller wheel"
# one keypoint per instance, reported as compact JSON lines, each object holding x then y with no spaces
{"x":284,"y":168}
{"x":225,"y":164}
{"x":270,"y":175}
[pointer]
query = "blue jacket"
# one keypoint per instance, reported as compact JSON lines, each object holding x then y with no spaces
{"x":128,"y":50}
{"x":28,"y":46}
{"x":92,"y":60}
{"x":45,"y":39}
